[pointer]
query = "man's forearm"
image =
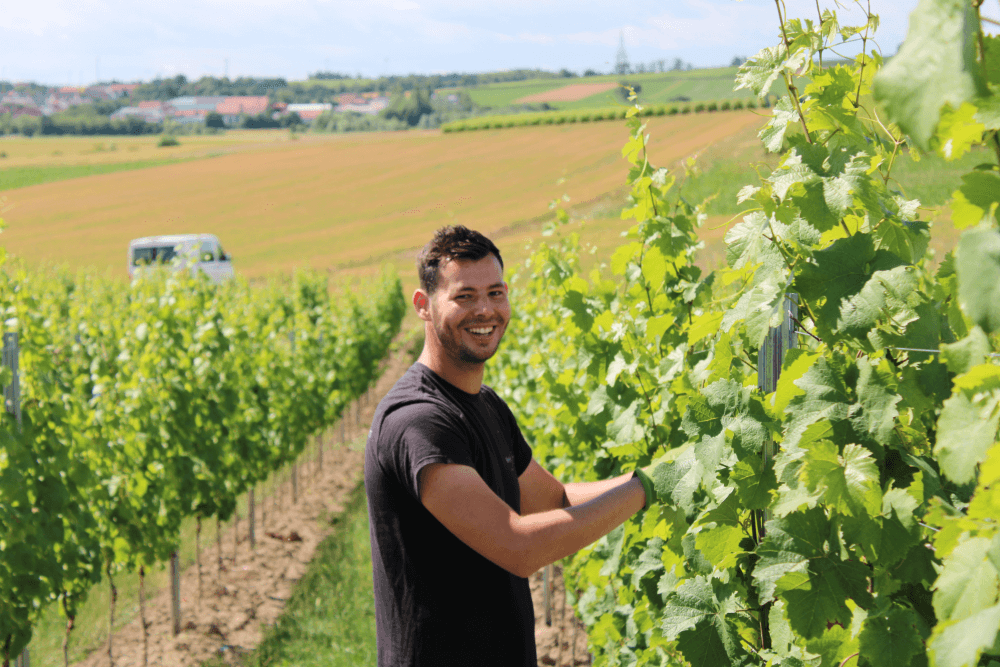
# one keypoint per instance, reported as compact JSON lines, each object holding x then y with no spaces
{"x":549,"y":536}
{"x":577,"y":493}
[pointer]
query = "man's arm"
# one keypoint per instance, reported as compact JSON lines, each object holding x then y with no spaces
{"x":459,"y":498}
{"x":540,"y":491}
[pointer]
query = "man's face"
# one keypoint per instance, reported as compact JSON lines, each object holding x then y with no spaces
{"x":469,"y":309}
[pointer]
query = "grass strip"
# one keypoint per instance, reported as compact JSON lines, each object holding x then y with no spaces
{"x":329,"y":620}
{"x":22,"y":177}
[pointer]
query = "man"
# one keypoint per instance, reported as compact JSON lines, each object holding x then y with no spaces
{"x":460,"y":513}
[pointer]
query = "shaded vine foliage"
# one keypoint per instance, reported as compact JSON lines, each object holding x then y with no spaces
{"x":146,"y":404}
{"x":871,"y":536}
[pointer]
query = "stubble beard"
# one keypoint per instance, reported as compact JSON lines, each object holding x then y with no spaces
{"x":457,"y":350}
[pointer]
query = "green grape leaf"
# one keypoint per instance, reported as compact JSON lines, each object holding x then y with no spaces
{"x":991,"y":58}
{"x":824,"y":396}
{"x":960,"y":643}
{"x":878,"y":393}
{"x":958,"y":131}
{"x":676,"y":481}
{"x":834,"y":646}
{"x":788,"y":546}
{"x":935,"y":65}
{"x":696,"y":615}
{"x":849,"y":481}
{"x":989,"y":109}
{"x":724,"y":405}
{"x":978,"y":264}
{"x":720,"y":545}
{"x":745,"y":242}
{"x":649,"y":561}
{"x":890,"y":638}
{"x":971,"y":351}
{"x":754,"y":483}
{"x":795,"y":364}
{"x":818,"y":598}
{"x":861,"y":289}
{"x":773,"y":134}
{"x":906,"y":240}
{"x":968,"y":582}
{"x":968,"y":423}
{"x":761,"y":71}
{"x":977,"y":200}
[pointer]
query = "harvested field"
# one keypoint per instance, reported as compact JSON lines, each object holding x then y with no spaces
{"x":342,"y":202}
{"x":570,"y":93}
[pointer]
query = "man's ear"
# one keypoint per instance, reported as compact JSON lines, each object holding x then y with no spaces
{"x":422,"y":304}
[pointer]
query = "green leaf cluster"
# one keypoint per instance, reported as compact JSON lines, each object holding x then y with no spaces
{"x":851,"y":513}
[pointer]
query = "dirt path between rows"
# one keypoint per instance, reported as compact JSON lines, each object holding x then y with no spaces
{"x":239,"y":603}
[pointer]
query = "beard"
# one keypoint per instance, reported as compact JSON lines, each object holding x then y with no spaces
{"x":453,"y":343}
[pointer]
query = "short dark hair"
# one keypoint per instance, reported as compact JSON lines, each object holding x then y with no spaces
{"x":452,"y":242}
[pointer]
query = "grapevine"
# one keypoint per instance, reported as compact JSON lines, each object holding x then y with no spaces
{"x":164,"y":400}
{"x":880,"y":544}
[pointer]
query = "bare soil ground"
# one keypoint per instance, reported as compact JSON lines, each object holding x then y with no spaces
{"x":564,"y":642}
{"x":247,"y":595}
{"x":570,"y":93}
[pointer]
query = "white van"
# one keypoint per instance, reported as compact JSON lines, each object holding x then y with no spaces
{"x":202,"y":252}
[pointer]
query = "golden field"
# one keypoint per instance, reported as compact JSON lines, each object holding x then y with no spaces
{"x":336,"y":202}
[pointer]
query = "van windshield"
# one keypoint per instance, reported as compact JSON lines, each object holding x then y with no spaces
{"x":156,"y":254}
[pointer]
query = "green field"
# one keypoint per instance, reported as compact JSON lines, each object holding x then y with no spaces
{"x":21,"y":177}
{"x":661,"y":87}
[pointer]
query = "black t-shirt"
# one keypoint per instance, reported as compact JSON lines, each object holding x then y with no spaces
{"x":437,"y":601}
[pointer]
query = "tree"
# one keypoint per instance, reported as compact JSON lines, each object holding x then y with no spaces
{"x":678,"y":65}
{"x":737,"y":61}
{"x":622,"y":65}
{"x":214,"y":119}
{"x":410,"y":108}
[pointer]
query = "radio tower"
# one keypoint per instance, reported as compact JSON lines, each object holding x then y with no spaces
{"x":621,"y":59}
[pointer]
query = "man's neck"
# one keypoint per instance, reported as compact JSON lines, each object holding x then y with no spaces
{"x":465,"y":376}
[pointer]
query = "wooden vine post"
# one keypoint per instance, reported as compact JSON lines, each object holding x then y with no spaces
{"x":175,"y":591}
{"x":252,"y":517}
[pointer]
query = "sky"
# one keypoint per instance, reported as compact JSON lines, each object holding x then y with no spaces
{"x":78,"y":42}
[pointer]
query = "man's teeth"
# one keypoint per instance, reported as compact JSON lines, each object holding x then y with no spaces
{"x":482,"y":330}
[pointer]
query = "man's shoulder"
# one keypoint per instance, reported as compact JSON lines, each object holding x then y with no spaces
{"x":418,"y":391}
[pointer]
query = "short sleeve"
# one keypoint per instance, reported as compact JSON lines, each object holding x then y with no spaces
{"x":425,"y":435}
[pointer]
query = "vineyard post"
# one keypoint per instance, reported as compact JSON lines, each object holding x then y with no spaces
{"x":252,"y":517}
{"x":779,"y":340}
{"x":547,"y":593}
{"x":295,"y":464}
{"x":12,"y":402}
{"x":175,"y":591}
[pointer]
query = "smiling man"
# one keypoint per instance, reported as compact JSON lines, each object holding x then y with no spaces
{"x":460,"y":513}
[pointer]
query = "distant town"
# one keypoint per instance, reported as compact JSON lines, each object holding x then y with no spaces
{"x":20,"y":101}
